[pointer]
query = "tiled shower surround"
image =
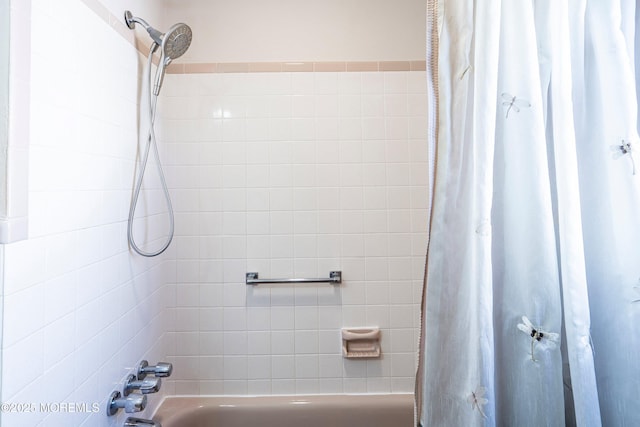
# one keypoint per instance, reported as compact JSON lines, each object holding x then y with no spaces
{"x":290,"y":174}
{"x":294,"y":175}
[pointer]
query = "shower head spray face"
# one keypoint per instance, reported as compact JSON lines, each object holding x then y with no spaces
{"x":176,"y":41}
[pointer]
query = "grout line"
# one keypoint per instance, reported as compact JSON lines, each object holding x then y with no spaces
{"x":252,"y":67}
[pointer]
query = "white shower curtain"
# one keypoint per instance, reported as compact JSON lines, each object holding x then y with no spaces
{"x":531,"y":309}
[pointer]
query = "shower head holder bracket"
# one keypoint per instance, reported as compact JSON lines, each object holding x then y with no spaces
{"x":131,"y":22}
{"x":129,"y":19}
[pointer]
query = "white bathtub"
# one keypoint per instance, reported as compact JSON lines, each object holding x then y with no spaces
{"x":391,"y":410}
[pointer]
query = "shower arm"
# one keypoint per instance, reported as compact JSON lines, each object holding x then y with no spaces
{"x":157,"y":38}
{"x":131,"y":22}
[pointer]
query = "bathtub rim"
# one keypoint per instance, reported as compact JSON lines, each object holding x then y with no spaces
{"x":171,"y":408}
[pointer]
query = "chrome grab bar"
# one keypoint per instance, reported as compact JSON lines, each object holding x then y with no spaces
{"x":335,"y":277}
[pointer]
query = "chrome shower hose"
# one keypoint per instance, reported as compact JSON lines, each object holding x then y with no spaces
{"x":150,"y":145}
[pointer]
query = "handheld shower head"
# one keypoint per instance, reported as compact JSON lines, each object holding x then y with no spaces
{"x":174,"y":43}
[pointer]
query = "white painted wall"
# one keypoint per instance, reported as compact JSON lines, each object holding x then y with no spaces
{"x":302,"y":30}
{"x":14,"y":119}
{"x":5,"y":34}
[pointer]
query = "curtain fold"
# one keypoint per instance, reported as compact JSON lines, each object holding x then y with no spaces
{"x":533,"y":261}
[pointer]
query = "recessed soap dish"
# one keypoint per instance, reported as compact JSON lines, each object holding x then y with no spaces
{"x":361,"y":343}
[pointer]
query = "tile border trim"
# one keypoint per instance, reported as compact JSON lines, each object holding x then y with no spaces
{"x":288,"y":67}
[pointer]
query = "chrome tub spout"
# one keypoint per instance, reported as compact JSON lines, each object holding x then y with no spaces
{"x":140,"y":422}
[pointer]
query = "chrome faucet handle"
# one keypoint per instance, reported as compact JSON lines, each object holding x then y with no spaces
{"x":129,"y":404}
{"x":162,"y":369}
{"x":146,"y":386}
{"x":139,"y":422}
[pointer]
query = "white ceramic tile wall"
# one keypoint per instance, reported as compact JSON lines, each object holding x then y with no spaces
{"x":80,"y":310}
{"x":294,"y":175}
